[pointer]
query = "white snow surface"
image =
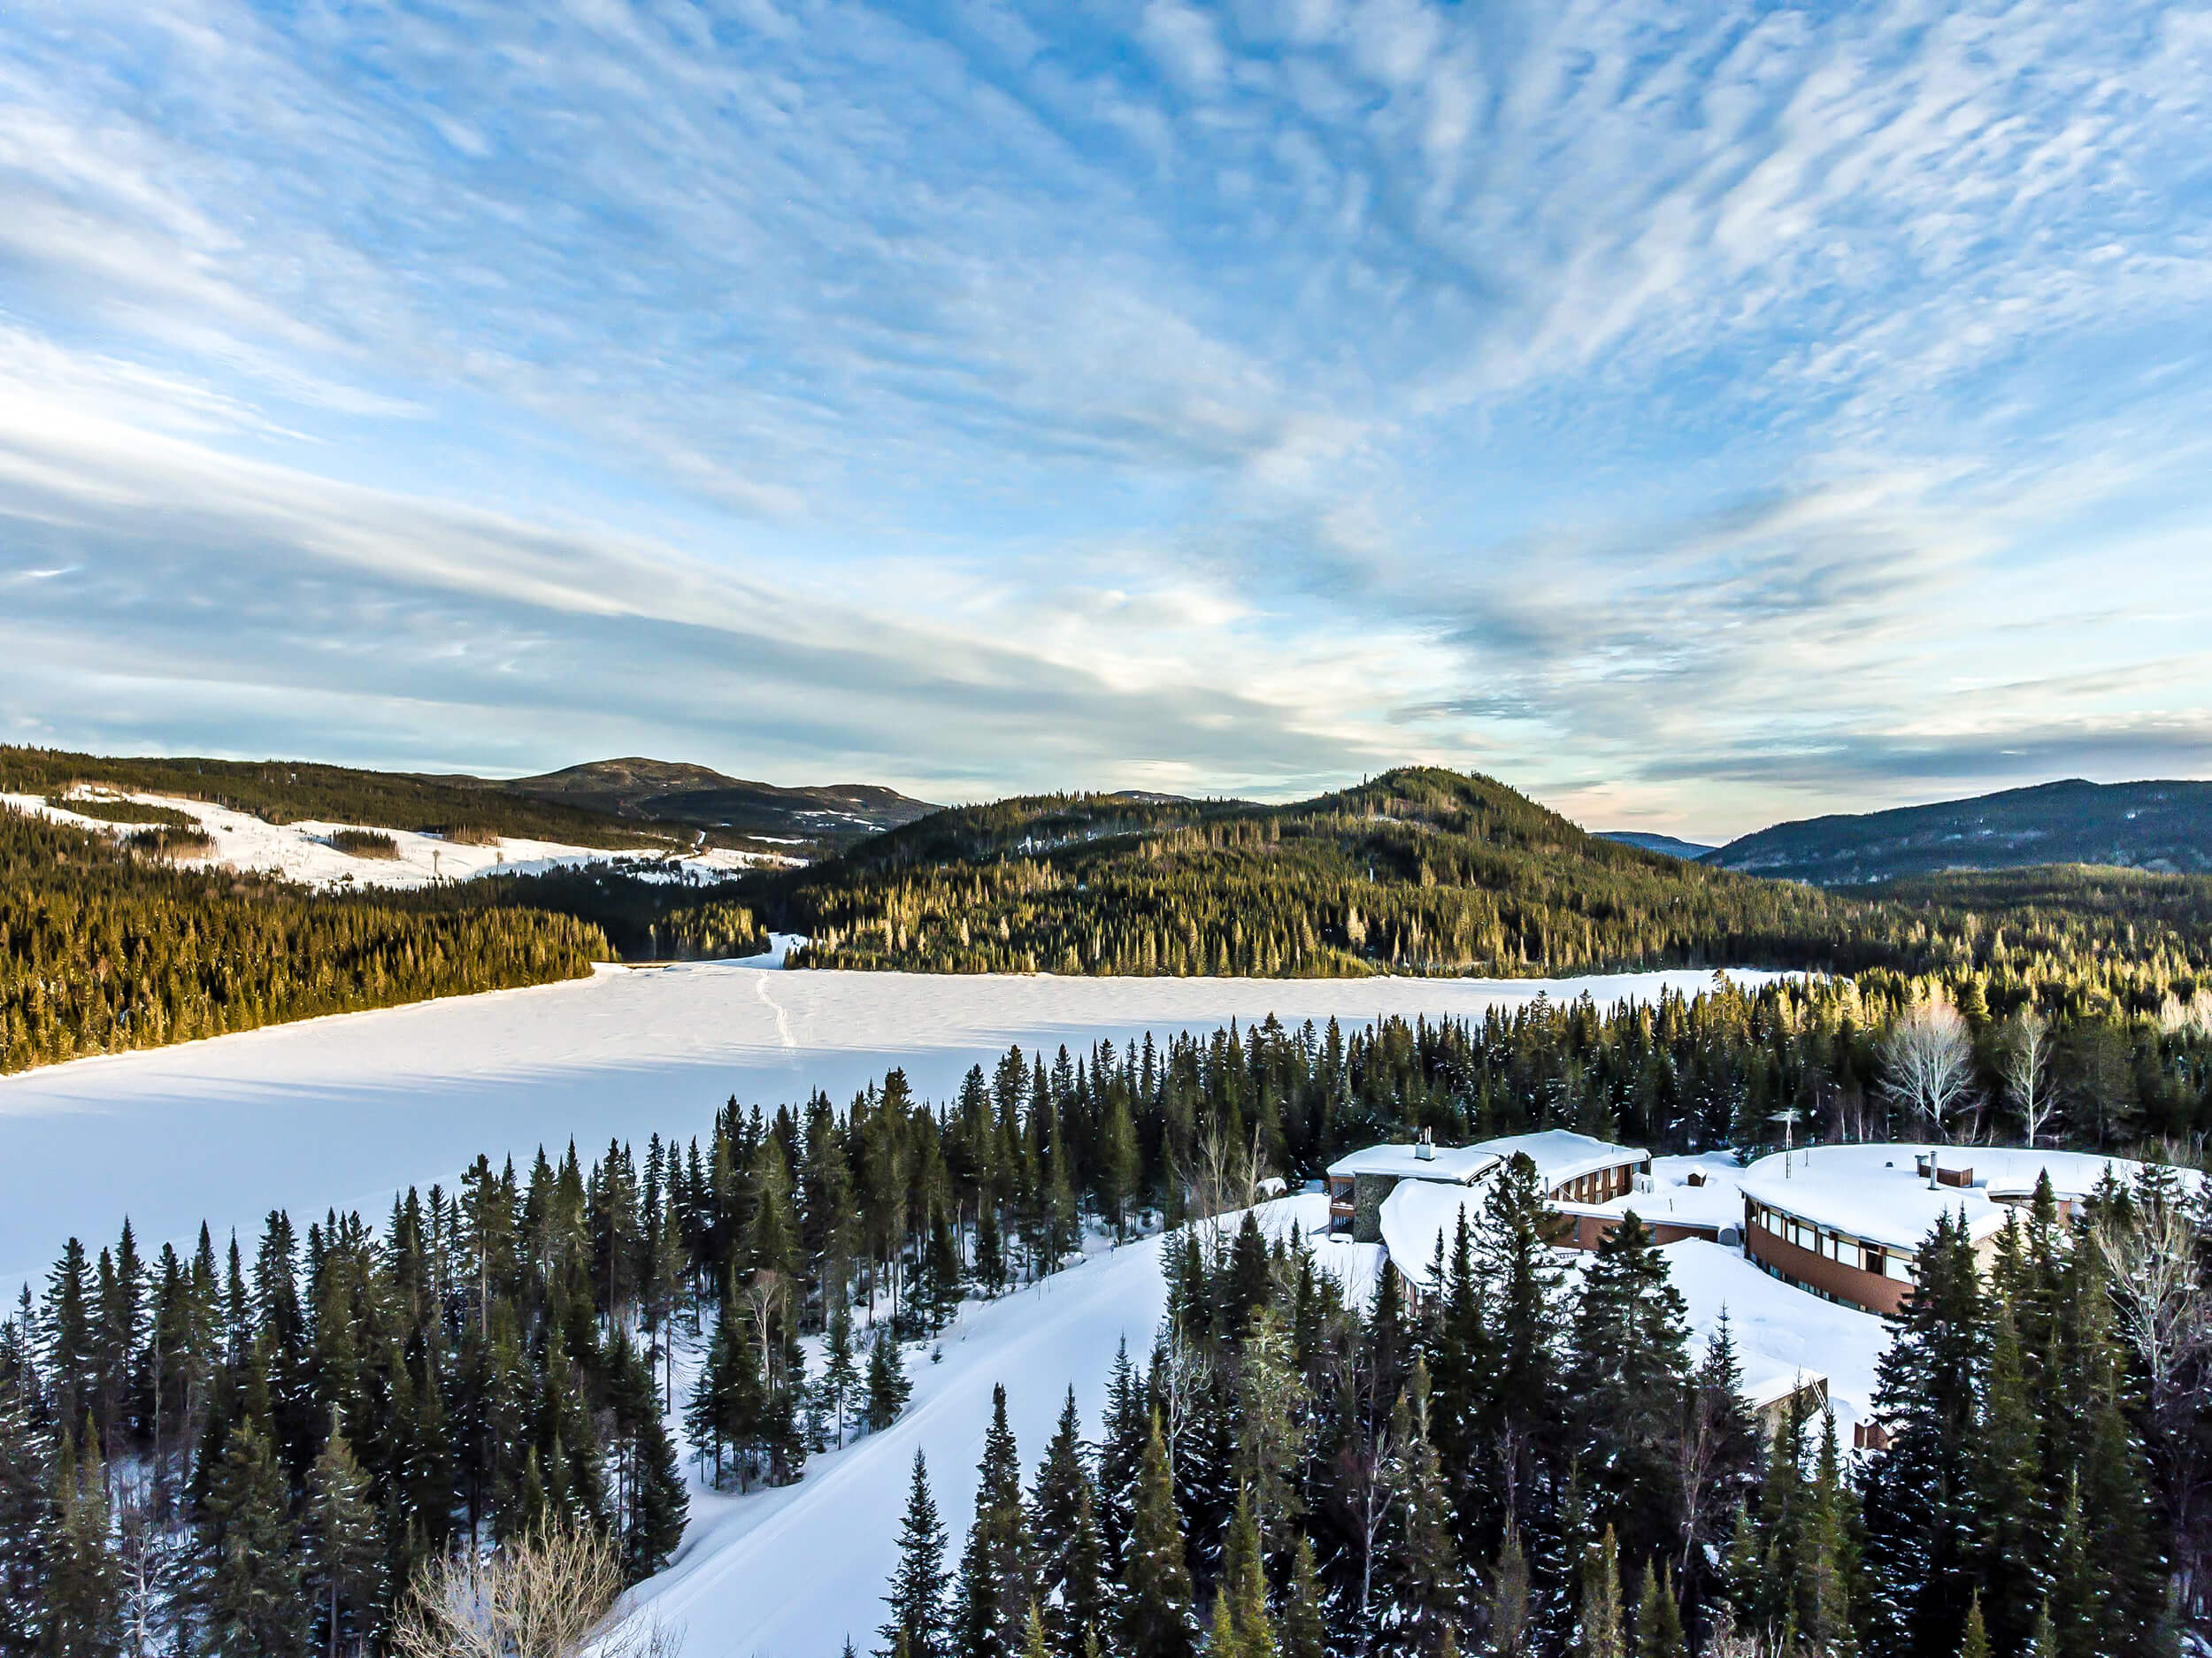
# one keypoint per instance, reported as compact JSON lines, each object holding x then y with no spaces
{"x":348,"y":1110}
{"x":1560,"y":1153}
{"x":1718,"y":1201}
{"x":1780,"y":1332}
{"x":302,"y":851}
{"x":791,"y":1573}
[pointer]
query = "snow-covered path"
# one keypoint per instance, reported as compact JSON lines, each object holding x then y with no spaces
{"x":347,"y":1110}
{"x":791,"y":1573}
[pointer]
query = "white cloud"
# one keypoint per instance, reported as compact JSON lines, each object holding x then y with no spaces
{"x":1540,"y":383}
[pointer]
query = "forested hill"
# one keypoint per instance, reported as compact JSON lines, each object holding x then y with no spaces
{"x":660,"y":791}
{"x":2164,"y":827}
{"x":620,"y":804}
{"x":103,"y":948}
{"x":290,"y":791}
{"x":1419,"y":871}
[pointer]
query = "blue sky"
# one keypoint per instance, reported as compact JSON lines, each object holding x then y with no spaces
{"x":1695,"y":415}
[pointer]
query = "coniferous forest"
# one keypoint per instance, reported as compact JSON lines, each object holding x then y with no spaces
{"x":107,"y":947}
{"x":252,"y":1445}
{"x":1425,"y":871}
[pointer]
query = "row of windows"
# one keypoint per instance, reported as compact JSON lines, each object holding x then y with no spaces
{"x":1834,"y":1245}
{"x":1601,"y":1187}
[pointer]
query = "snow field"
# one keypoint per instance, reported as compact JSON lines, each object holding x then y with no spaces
{"x":348,"y":1110}
{"x":302,"y":852}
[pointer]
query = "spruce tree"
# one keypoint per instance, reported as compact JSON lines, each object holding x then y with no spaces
{"x":1659,"y":1619}
{"x":255,"y":1606}
{"x":1511,"y":1615}
{"x":653,"y":1503}
{"x":1155,"y":1616}
{"x":1974,"y":1641}
{"x":1121,"y":1457}
{"x":83,"y":1608}
{"x":841,"y":1376}
{"x":1084,"y":1612}
{"x":343,"y":1553}
{"x":1422,"y":1596}
{"x":917,"y":1626}
{"x":1627,"y":1374}
{"x":1062,"y":1479}
{"x":27,"y":1487}
{"x":1243,"y":1596}
{"x":1598,"y":1632}
{"x":1304,"y":1634}
{"x":2008,"y":1482}
{"x":888,"y":1387}
{"x":1827,"y":1564}
{"x":996,"y":1580}
{"x":1921,"y":1517}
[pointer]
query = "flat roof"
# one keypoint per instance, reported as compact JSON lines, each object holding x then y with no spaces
{"x":1875,"y":1192}
{"x":1458,"y":1164}
{"x":1718,"y":1201}
{"x":1561,"y":1154}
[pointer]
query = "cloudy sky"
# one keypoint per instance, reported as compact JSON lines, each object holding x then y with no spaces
{"x":1695,"y":415}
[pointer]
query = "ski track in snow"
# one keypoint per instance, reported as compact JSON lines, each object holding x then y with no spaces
{"x":348,"y":1110}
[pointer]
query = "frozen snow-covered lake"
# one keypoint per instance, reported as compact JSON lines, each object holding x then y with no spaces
{"x":344,"y":1111}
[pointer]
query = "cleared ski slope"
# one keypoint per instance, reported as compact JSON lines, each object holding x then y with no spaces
{"x":790,"y":1573}
{"x":347,"y":1110}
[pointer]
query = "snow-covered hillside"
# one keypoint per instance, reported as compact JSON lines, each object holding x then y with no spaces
{"x":791,"y":1573}
{"x":302,"y":851}
{"x":345,"y":1110}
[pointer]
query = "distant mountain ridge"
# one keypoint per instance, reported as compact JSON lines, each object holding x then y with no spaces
{"x":2159,"y":826}
{"x":1669,"y":846}
{"x":665,"y":791}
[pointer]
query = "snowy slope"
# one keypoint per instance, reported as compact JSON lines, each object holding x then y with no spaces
{"x":302,"y":851}
{"x":346,"y":1109}
{"x":791,"y":1573}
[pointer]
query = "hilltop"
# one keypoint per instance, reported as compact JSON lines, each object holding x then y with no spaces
{"x":1420,"y":871}
{"x":672,"y":792}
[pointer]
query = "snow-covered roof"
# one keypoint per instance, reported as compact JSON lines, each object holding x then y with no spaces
{"x":1560,"y":1155}
{"x":1458,"y":1163}
{"x":1783,"y":1336}
{"x":1412,"y":1216}
{"x":1876,"y":1192}
{"x":1716,"y":1201}
{"x":1357,"y":1268}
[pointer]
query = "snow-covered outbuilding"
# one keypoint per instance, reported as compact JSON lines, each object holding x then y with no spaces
{"x":1846,"y":1222}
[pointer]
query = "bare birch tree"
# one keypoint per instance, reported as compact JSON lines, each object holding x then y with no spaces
{"x":2153,"y":1252}
{"x":2025,"y":1061}
{"x":1928,"y":1066}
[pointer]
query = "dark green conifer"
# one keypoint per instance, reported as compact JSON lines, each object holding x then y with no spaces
{"x":917,"y":1626}
{"x":1154,"y":1619}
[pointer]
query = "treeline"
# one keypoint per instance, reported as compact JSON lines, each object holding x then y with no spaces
{"x":656,"y":916}
{"x":1527,"y":1468}
{"x":1432,"y":872}
{"x":287,"y":791}
{"x":102,"y":950}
